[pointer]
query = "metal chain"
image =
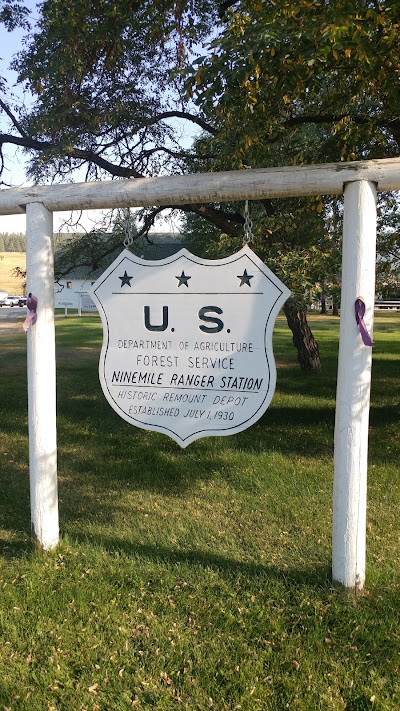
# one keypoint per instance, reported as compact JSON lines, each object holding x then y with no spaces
{"x":127,"y":226}
{"x":248,"y":225}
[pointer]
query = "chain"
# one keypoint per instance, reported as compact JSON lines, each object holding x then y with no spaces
{"x":128,"y":226}
{"x":248,"y":225}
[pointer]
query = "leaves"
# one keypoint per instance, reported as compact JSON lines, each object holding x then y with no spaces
{"x":98,"y":73}
{"x":293,"y":64}
{"x":14,"y":14}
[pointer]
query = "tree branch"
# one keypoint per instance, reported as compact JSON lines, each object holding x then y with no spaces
{"x":182,"y":114}
{"x":229,"y":222}
{"x":177,"y":154}
{"x":79,"y":153}
{"x":12,"y":117}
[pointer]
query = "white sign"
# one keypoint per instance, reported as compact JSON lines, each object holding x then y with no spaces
{"x":187,"y":342}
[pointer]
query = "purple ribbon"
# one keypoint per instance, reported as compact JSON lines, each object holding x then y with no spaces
{"x":31,"y":304}
{"x":360,"y":311}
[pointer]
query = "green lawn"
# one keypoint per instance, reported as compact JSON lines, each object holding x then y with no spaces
{"x":198,"y":578}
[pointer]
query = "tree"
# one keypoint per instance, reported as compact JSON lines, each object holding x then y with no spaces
{"x":99,"y":72}
{"x":388,"y":247}
{"x":299,"y":79}
{"x":14,"y":242}
{"x":301,"y":82}
{"x":105,"y":77}
{"x":277,"y":68}
{"x":297,"y":244}
{"x":13,"y":14}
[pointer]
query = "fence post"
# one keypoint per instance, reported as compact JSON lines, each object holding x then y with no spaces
{"x":353,"y":387}
{"x":42,"y":379}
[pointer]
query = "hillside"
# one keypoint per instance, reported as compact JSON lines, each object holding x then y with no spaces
{"x":8,"y":262}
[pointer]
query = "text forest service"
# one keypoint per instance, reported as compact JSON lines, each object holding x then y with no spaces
{"x":187,"y":342}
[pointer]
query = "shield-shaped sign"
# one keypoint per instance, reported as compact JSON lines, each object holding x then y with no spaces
{"x":187,"y":342}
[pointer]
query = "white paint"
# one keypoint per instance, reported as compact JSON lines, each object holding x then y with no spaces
{"x":176,"y":358}
{"x":353,"y":387}
{"x":42,"y":379}
{"x":291,"y":181}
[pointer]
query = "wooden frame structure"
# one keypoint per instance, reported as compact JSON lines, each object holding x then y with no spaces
{"x":359,"y":181}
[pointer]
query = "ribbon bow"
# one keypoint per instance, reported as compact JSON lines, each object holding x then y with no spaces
{"x":360,"y":311}
{"x":31,"y":318}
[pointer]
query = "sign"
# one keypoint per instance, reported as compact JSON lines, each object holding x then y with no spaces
{"x":187,"y":342}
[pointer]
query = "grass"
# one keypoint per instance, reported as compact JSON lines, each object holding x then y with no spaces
{"x":8,"y":282}
{"x":200,"y":578}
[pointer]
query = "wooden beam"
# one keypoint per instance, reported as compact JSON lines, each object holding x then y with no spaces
{"x":353,"y":388}
{"x":292,"y":181}
{"x":41,"y":362}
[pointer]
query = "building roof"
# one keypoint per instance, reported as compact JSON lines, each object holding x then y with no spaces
{"x":157,"y":246}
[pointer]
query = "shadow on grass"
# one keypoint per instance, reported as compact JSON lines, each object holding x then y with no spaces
{"x":319,"y":574}
{"x":98,"y":453}
{"x":10,"y":550}
{"x":14,"y":512}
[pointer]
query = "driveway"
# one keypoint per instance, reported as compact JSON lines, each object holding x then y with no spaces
{"x":12,"y":316}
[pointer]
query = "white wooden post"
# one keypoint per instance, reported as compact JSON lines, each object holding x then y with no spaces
{"x":353,"y":388}
{"x":42,"y":379}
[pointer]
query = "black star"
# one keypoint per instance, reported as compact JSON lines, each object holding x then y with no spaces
{"x":245,"y":278}
{"x":125,"y":279}
{"x":183,"y":279}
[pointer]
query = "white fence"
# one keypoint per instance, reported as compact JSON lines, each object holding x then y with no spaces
{"x":393,"y":305}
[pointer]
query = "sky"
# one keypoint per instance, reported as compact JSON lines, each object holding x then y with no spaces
{"x":15,"y":175}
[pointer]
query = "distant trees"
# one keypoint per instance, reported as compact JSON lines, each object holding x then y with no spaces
{"x":12,"y":242}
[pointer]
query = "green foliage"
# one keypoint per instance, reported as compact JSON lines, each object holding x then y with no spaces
{"x":299,"y":239}
{"x":12,"y":242}
{"x":303,"y":82}
{"x":85,"y":253}
{"x":100,"y":73}
{"x":278,"y":68}
{"x":279,"y":83}
{"x":388,"y":247}
{"x":13,"y":14}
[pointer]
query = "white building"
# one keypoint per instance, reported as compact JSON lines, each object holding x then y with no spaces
{"x":71,"y":292}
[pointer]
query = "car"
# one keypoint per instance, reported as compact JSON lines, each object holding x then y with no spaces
{"x":12,"y":301}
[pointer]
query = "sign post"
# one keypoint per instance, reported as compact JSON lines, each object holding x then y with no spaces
{"x":42,"y":379}
{"x":187,"y":342}
{"x":353,"y":387}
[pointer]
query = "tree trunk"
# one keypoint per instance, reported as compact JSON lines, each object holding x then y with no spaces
{"x":323,"y":304}
{"x":303,"y":339}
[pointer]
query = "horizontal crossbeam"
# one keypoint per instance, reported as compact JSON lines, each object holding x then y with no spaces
{"x":254,"y":184}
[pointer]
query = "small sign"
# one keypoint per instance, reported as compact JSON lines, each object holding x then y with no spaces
{"x":187,"y":342}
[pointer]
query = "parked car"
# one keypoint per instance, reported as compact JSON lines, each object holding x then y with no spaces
{"x":13,"y":301}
